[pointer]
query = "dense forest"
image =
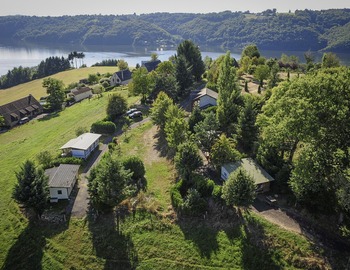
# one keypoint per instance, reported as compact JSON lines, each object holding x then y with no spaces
{"x":299,"y":30}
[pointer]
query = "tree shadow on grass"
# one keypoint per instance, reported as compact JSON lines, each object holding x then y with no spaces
{"x":256,"y":254}
{"x":116,"y":248}
{"x":27,"y":252}
{"x":161,"y":145}
{"x":204,"y":237}
{"x":49,"y":116}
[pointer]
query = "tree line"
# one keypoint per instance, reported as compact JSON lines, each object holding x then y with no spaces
{"x":300,"y":30}
{"x":21,"y":74}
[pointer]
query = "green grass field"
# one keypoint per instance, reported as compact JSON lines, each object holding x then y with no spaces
{"x":35,"y":87}
{"x":144,"y":240}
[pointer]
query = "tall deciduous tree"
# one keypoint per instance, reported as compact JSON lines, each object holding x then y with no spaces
{"x":229,"y":97}
{"x":239,"y":189}
{"x":107,"y":183}
{"x":261,"y":73}
{"x":224,"y":151}
{"x":247,"y":130}
{"x":141,"y":83}
{"x":195,"y":117}
{"x":183,"y":75}
{"x":187,"y":159}
{"x":31,"y":188}
{"x":330,"y":60}
{"x":160,"y":106}
{"x":116,"y":106}
{"x":207,"y":131}
{"x":122,"y":64}
{"x":251,"y":51}
{"x":176,"y":127}
{"x":311,"y":114}
{"x":54,"y":88}
{"x":193,"y":57}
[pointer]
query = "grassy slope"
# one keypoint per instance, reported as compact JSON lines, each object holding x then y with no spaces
{"x":35,"y":87}
{"x":145,"y":241}
{"x":25,"y":142}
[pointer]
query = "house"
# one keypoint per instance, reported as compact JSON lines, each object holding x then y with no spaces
{"x":150,"y":65}
{"x":62,"y":180}
{"x":261,"y":178}
{"x":14,"y":111}
{"x":82,"y":146}
{"x":121,"y":77}
{"x":80,"y":93}
{"x":205,"y":98}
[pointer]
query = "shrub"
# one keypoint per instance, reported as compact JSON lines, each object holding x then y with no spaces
{"x":204,"y":186}
{"x":193,"y":204}
{"x":66,"y":160}
{"x":176,"y":198}
{"x":135,"y":165}
{"x":103,"y":127}
{"x":217,"y":192}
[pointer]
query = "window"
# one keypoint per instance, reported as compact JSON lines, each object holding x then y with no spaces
{"x":59,"y":192}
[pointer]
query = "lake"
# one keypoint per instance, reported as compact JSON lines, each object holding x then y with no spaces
{"x":29,"y":54}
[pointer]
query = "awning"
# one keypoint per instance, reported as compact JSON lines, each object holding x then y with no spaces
{"x":30,"y":109}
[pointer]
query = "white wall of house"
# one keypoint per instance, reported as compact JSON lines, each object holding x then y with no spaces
{"x":82,"y":96}
{"x":115,"y":80}
{"x":59,"y":193}
{"x":78,"y":153}
{"x":206,"y":100}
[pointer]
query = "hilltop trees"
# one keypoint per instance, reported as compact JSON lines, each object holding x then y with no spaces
{"x":116,"y":106}
{"x":141,"y":83}
{"x":54,"y":88}
{"x":311,"y":114}
{"x":107,"y":183}
{"x":229,"y":97}
{"x":31,"y":188}
{"x":192,"y":55}
{"x":239,"y":189}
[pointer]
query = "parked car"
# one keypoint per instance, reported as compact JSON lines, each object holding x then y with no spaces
{"x":130,"y":111}
{"x":271,"y":200}
{"x":135,"y":114}
{"x":23,"y":120}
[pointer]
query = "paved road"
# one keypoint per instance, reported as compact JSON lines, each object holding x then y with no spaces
{"x":276,"y":216}
{"x":80,"y":204}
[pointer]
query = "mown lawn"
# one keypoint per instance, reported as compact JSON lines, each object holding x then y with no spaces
{"x":26,"y":141}
{"x":35,"y":87}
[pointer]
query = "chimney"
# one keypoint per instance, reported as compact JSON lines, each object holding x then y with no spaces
{"x":29,"y":99}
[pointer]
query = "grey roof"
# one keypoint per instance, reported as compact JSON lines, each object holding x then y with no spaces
{"x":252,"y":167}
{"x":150,"y":65}
{"x":206,"y":92}
{"x":124,"y":75}
{"x":83,"y":142}
{"x":15,"y":108}
{"x":80,"y":90}
{"x":62,"y":176}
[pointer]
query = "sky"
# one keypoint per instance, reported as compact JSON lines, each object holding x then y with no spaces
{"x":117,"y":7}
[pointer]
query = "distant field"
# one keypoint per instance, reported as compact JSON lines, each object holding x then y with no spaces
{"x":35,"y":87}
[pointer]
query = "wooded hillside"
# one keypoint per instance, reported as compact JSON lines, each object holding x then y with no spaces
{"x":301,"y":30}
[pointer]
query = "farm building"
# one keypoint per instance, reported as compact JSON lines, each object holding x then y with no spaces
{"x":14,"y":111}
{"x":80,"y":93}
{"x":261,"y":178}
{"x":62,"y":180}
{"x":205,"y":98}
{"x":82,"y":146}
{"x":121,"y":77}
